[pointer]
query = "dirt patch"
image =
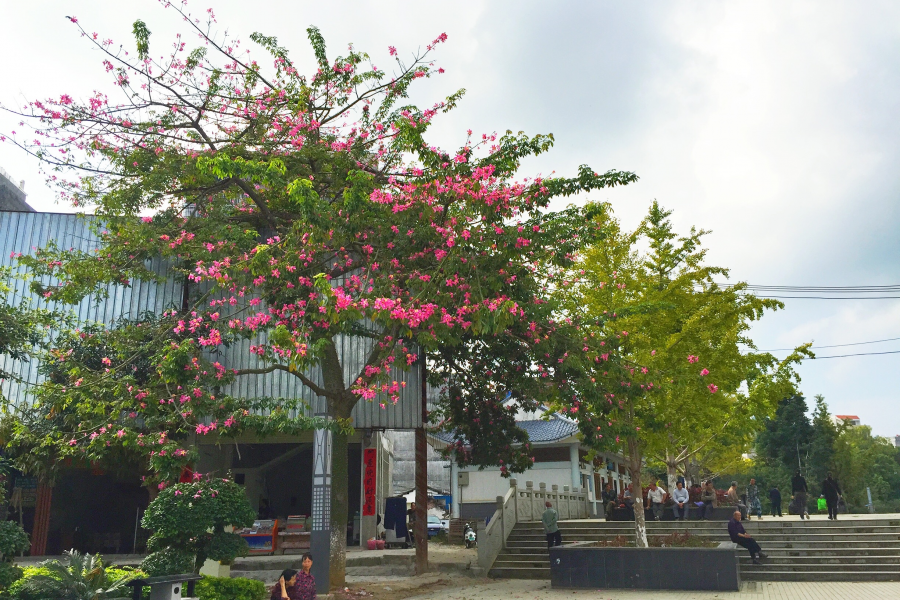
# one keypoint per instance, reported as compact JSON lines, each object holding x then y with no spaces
{"x":400,"y":588}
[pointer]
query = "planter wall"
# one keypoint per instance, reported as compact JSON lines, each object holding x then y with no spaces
{"x":585,"y":567}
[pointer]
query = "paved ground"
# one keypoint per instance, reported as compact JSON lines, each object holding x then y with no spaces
{"x":754,"y":590}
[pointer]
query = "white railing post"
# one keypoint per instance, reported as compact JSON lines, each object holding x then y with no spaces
{"x":502,"y":521}
{"x":537,"y":507}
{"x":515,"y":492}
{"x":557,"y":500}
{"x":529,"y":500}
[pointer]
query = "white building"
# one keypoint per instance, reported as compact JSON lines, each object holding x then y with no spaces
{"x":559,"y":459}
{"x":851,"y":420}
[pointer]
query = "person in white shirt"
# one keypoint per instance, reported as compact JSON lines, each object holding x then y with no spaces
{"x":656,"y":496}
{"x":681,"y":497}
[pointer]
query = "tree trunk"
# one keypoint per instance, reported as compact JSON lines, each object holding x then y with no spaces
{"x":671,"y":471}
{"x":339,"y":507}
{"x":421,"y":532}
{"x":338,"y":408}
{"x":640,"y":526}
{"x":421,"y":528}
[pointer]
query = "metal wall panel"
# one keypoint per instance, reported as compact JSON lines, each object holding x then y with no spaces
{"x":22,"y":232}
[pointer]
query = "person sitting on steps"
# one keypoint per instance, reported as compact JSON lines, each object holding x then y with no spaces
{"x":740,"y":537}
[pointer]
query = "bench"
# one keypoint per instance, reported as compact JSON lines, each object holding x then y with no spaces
{"x":167,"y":587}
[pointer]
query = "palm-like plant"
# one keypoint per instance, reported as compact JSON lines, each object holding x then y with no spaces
{"x":78,"y":577}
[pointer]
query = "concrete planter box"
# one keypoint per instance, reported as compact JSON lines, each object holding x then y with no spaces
{"x":582,"y":566}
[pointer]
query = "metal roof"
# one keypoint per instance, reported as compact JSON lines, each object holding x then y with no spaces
{"x":23,"y":232}
{"x":539,"y":431}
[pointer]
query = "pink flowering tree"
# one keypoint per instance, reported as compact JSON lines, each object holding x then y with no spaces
{"x":688,"y":377}
{"x":302,"y":210}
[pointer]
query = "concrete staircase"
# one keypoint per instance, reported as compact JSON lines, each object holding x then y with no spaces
{"x":849,"y":549}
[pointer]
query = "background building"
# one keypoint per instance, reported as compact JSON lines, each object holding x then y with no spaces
{"x":12,"y":194}
{"x":96,"y":510}
{"x":559,"y":459}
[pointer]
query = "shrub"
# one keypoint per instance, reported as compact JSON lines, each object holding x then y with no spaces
{"x":681,"y":540}
{"x":78,"y":577}
{"x":168,"y":561}
{"x":188,"y":522}
{"x":220,"y":588}
{"x":13,"y":540}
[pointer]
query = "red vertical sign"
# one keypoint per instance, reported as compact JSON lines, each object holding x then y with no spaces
{"x":370,"y":458}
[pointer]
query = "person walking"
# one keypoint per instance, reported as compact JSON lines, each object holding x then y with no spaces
{"x":753,"y":499}
{"x":610,"y":500}
{"x":832,"y":492}
{"x":551,"y":529}
{"x":681,"y":497}
{"x":799,"y":490}
{"x":740,"y":537}
{"x":775,"y":499}
{"x":709,"y":499}
{"x":656,"y":496}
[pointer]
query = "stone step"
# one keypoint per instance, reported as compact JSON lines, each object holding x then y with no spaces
{"x":817,"y":550}
{"x":653,"y":525}
{"x":812,"y":535}
{"x":791,"y":563}
{"x":796,"y":544}
{"x":268,"y":577}
{"x":812,"y":553}
{"x":515,"y":564}
{"x":520,"y":573}
{"x":267,"y":563}
{"x":760,"y":573}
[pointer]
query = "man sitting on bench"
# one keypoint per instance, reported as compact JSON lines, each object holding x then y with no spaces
{"x":740,"y":537}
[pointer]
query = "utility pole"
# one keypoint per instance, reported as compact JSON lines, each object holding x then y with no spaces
{"x":421,"y":528}
{"x":320,"y":534}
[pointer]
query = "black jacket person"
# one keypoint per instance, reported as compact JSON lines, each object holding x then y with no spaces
{"x":832,"y":492}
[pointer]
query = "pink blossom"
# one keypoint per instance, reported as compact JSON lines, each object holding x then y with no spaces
{"x":692,"y":359}
{"x":713,"y":388}
{"x":704,"y":373}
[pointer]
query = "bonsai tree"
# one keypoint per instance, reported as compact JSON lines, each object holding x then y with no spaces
{"x":188,"y":521}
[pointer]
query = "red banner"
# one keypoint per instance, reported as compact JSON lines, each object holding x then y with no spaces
{"x":370,"y":458}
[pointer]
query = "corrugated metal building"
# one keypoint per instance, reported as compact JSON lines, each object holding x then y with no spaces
{"x":23,"y":232}
{"x":259,"y":463}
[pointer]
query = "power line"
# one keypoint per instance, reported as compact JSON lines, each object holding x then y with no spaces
{"x":860,"y":354}
{"x":838,"y":345}
{"x":832,"y":297}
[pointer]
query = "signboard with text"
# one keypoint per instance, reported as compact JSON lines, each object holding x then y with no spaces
{"x":370,"y":458}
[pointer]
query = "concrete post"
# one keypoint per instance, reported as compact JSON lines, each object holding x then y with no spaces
{"x":515,"y":498}
{"x":502,"y":520}
{"x":529,"y":495}
{"x":575,"y":464}
{"x":538,"y":504}
{"x":454,"y":488}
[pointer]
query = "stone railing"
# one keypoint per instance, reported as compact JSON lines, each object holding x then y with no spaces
{"x":521,"y":505}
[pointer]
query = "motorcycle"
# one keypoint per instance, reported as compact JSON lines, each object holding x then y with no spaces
{"x":469,"y":536}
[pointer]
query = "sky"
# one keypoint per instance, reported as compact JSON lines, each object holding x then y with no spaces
{"x":771,"y":124}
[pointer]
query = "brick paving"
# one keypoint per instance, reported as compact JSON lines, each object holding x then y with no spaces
{"x":520,"y":589}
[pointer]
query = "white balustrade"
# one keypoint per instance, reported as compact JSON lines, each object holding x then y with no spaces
{"x":523,"y":505}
